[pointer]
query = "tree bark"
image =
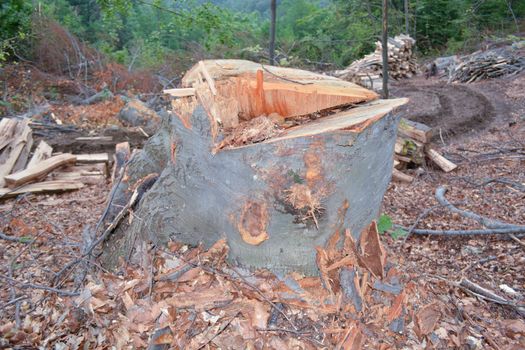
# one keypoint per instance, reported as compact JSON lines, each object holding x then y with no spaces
{"x":384,"y":43}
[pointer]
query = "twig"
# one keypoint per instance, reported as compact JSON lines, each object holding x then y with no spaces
{"x":15,"y":239}
{"x":14,"y":301}
{"x":38,"y":286}
{"x":221,"y":329}
{"x":492,"y":231}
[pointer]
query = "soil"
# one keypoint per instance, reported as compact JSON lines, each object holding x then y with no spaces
{"x":453,"y":110}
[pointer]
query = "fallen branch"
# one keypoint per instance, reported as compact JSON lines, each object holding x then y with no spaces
{"x":23,"y":285}
{"x":15,"y":239}
{"x":494,"y":231}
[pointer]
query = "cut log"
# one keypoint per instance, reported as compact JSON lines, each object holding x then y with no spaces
{"x":417,"y":131}
{"x":92,"y":158}
{"x":42,"y":152}
{"x":275,"y":199}
{"x":41,"y":188}
{"x":442,"y":162}
{"x":39,"y":170}
{"x":180,"y":92}
{"x":15,"y":148}
{"x":412,"y":149}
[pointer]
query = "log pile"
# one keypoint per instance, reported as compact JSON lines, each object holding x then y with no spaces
{"x":487,"y":65}
{"x":413,"y":149}
{"x":42,"y":171}
{"x":368,"y":70}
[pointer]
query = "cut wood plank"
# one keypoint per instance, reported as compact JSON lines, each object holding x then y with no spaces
{"x":180,"y":92}
{"x":92,"y":158}
{"x":400,"y":176}
{"x":417,"y":131}
{"x":7,"y":129}
{"x":23,"y":132}
{"x":442,"y":162}
{"x":42,"y":187}
{"x":42,"y":152}
{"x":209,"y":79}
{"x":94,"y":138}
{"x":24,"y":155}
{"x":122,"y":154}
{"x":38,"y":171}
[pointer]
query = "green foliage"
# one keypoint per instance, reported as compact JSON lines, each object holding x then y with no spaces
{"x":384,"y":223}
{"x":398,"y":233}
{"x":15,"y":23}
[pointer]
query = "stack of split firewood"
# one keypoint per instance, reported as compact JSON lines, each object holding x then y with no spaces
{"x":39,"y":170}
{"x":413,"y":149}
{"x":367,"y":71}
{"x":486,"y":65}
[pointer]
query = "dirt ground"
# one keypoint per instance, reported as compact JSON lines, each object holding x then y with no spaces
{"x":481,"y":128}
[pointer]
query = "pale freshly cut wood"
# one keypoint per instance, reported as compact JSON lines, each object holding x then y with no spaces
{"x":38,"y":171}
{"x":183,"y":92}
{"x":42,"y":187}
{"x":445,"y":164}
{"x":92,"y":158}
{"x":23,"y":132}
{"x":417,"y":131}
{"x":42,"y":152}
{"x":7,"y":129}
{"x":400,"y":176}
{"x":209,"y":79}
{"x":24,"y":155}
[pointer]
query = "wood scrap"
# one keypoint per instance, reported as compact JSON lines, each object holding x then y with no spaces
{"x":445,"y":164}
{"x":92,"y":158}
{"x":209,"y":79}
{"x":367,"y":71}
{"x":15,"y":148}
{"x":42,"y":187}
{"x":7,"y":129}
{"x":122,"y":155}
{"x":182,"y":92}
{"x":94,"y":138}
{"x":39,"y":170}
{"x":42,"y":152}
{"x":486,"y":65}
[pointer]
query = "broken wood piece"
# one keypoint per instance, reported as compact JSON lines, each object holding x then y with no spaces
{"x":92,"y":158}
{"x":22,"y":135}
{"x":24,"y":155}
{"x":182,"y":92}
{"x":445,"y":164}
{"x":39,"y":170}
{"x":122,"y":155}
{"x":7,"y":130}
{"x":42,"y":152}
{"x":400,"y":176}
{"x":42,"y":187}
{"x":209,"y":79}
{"x":88,"y":174}
{"x":417,"y":131}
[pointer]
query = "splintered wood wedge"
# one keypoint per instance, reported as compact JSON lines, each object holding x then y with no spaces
{"x":266,"y":163}
{"x":39,"y":170}
{"x":16,"y":147}
{"x":42,"y":152}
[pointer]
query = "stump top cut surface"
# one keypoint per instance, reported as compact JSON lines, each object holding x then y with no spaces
{"x":234,"y":92}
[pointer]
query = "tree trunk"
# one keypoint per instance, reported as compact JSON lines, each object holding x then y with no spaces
{"x":407,"y":24}
{"x":274,"y":200}
{"x":384,"y":43}
{"x":273,"y":10}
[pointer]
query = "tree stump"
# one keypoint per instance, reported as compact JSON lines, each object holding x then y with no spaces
{"x":274,"y":200}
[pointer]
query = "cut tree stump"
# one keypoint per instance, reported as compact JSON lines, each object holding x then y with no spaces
{"x":321,"y":161}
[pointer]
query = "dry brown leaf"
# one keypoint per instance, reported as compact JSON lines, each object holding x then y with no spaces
{"x":514,"y":327}
{"x":426,"y":319}
{"x":200,"y":300}
{"x":396,"y":308}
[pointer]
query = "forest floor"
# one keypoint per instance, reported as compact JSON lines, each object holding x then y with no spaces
{"x":481,"y":127}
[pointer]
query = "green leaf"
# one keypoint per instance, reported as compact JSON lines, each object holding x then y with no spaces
{"x":398,"y":233}
{"x":25,"y":239}
{"x":384,"y":223}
